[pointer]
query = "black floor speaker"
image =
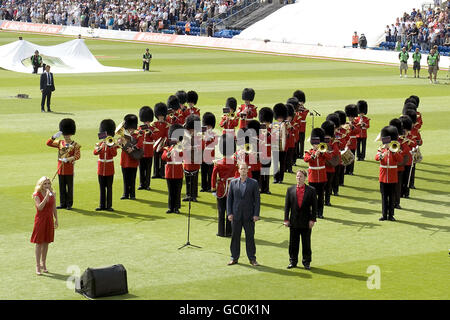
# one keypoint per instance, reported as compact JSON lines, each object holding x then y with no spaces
{"x":103,"y":282}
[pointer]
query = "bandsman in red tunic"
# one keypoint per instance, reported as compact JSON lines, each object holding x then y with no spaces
{"x":173,"y":157}
{"x":160,"y":134}
{"x":266,"y":119}
{"x":229,"y":120}
{"x":302,"y":113}
{"x":353,"y":129}
{"x":364,"y":123}
{"x":106,"y":150}
{"x":173,"y":110}
{"x":192,"y":156}
{"x":279,"y":137}
{"x":317,"y":173}
{"x":209,"y":142}
{"x":247,"y":110}
{"x":333,"y":148}
{"x":68,"y":153}
{"x":182,"y":96}
{"x":410,"y":145}
{"x":291,"y":128}
{"x":223,"y":172}
{"x":132,"y":151}
{"x":254,"y":150}
{"x":341,"y":135}
{"x":145,"y":163}
{"x":191,"y":99}
{"x":414,"y":135}
{"x":388,"y":171}
{"x":415,"y":100}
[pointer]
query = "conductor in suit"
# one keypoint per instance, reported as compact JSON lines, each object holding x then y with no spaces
{"x":243,"y":205}
{"x":47,"y":87}
{"x":300,"y":215}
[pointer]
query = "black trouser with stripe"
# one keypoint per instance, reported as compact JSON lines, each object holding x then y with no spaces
{"x":265,"y":177}
{"x":279,"y":175}
{"x":105,"y":183}
{"x":145,"y":172}
{"x":302,"y":145}
{"x":224,"y":225}
{"x":387,"y":198}
{"x":158,"y":168}
{"x":129,"y":182}
{"x":174,"y":186}
{"x":290,"y":160}
{"x":398,"y":188}
{"x":320,"y":188}
{"x":294,"y":244}
{"x":329,"y":186}
{"x":405,"y":179}
{"x":351,"y":166}
{"x":65,"y":190}
{"x":207,"y":170}
{"x":337,"y":178}
{"x":361,"y":148}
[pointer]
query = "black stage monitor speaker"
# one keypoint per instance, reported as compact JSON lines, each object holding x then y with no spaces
{"x":103,"y":282}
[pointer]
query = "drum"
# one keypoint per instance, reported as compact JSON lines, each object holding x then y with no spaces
{"x":417,"y":156}
{"x":347,"y":156}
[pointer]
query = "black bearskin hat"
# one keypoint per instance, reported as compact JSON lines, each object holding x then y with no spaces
{"x":411,"y":101}
{"x":416,"y":98}
{"x":192,"y":97}
{"x":318,"y":133}
{"x":300,"y":95}
{"x":411,"y":113}
{"x":160,"y":109}
{"x":146,"y":114}
{"x":209,"y":119}
{"x":248,"y":94}
{"x":172,"y":129}
{"x":181,"y":95}
{"x":266,"y":115}
{"x":280,"y":111}
{"x":389,"y":131}
{"x":333,"y":117}
{"x":342,"y":117}
{"x":231,"y":103}
{"x":255,"y":125}
{"x":130,"y":121}
{"x":409,"y":105}
{"x":362,"y":106}
{"x":351,"y":110}
{"x":328,"y":128}
{"x":190,"y":121}
{"x":294,"y":101}
{"x":67,"y":126}
{"x":108,"y":126}
{"x":398,"y":124}
{"x":290,"y":110}
{"x":406,"y":122}
{"x":227,"y":140}
{"x":173,"y":103}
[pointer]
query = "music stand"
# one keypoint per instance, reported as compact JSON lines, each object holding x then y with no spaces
{"x":188,"y":243}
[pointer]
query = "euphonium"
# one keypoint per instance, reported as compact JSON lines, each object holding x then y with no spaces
{"x":394,"y":146}
{"x":322,"y":147}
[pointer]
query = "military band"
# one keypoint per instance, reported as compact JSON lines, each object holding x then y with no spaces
{"x":145,"y":163}
{"x":209,"y":141}
{"x":160,"y":132}
{"x":266,"y":119}
{"x":364,"y":123}
{"x":353,"y":129}
{"x":229,"y":120}
{"x":247,"y":110}
{"x":302,"y":114}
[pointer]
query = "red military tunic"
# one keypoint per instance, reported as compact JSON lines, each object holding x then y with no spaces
{"x":223,"y":172}
{"x":364,"y":123}
{"x":265,"y":145}
{"x":228,"y":124}
{"x":65,"y":168}
{"x":291,"y":136}
{"x":334,"y":150}
{"x":341,"y":137}
{"x":161,"y":130}
{"x":302,"y":120}
{"x":126,"y":161}
{"x":174,"y":163}
{"x":352,"y":134}
{"x":317,"y":171}
{"x":414,"y":135}
{"x":419,"y":121}
{"x":406,"y":152}
{"x":388,"y":165}
{"x":193,"y":159}
{"x":209,"y":142}
{"x":106,"y":156}
{"x":251,"y":113}
{"x":148,"y":141}
{"x":191,"y":110}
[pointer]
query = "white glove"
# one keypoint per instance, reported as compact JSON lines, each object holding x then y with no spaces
{"x":57,"y":135}
{"x":65,"y":160}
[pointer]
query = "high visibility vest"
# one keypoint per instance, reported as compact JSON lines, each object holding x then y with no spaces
{"x":403,"y":56}
{"x":417,"y":57}
{"x":161,"y":24}
{"x":355,"y":39}
{"x":187,"y":27}
{"x":432,"y":59}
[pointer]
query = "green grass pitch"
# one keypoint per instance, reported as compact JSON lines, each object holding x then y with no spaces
{"x":410,"y":254}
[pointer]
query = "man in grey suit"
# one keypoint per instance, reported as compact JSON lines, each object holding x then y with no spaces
{"x":47,"y":86}
{"x":243,"y":206}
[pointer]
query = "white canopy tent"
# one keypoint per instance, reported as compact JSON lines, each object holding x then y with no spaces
{"x":68,"y":57}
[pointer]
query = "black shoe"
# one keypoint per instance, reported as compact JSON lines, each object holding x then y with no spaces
{"x":228,"y":235}
{"x":391,"y":218}
{"x":406,"y":196}
{"x":187,"y":199}
{"x":194,"y":200}
{"x":397,"y":207}
{"x":274,"y":181}
{"x":123,"y":197}
{"x":169,"y":211}
{"x":177,"y":211}
{"x":148,"y":189}
{"x":412,"y":187}
{"x":267,"y":192}
{"x":61,"y":207}
{"x":109,"y":209}
{"x":382,"y":219}
{"x":69,"y":208}
{"x":132,"y":198}
{"x":99,"y":209}
{"x":307,"y":266}
{"x":202,"y":190}
{"x":292,"y":265}
{"x":336,"y":194}
{"x":42,"y":110}
{"x":254,"y":263}
{"x":49,"y":110}
{"x":220,"y":235}
{"x":141,"y":188}
{"x":327,"y":203}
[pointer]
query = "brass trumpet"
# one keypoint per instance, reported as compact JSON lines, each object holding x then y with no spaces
{"x":322,"y":147}
{"x":109,"y":141}
{"x":394,"y":146}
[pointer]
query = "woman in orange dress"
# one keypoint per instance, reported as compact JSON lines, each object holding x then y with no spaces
{"x":44,"y":227}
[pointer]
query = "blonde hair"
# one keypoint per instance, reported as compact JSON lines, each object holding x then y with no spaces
{"x":39,"y":184}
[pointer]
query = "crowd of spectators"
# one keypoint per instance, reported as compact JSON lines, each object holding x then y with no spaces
{"x":133,"y":15}
{"x":421,"y":28}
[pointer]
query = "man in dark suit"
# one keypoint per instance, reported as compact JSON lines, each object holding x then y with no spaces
{"x":300,"y":212}
{"x":243,"y":206}
{"x":47,"y":87}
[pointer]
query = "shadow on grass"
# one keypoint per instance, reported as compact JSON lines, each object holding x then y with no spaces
{"x":282,"y":245}
{"x":359,"y":188}
{"x":419,"y":168}
{"x":361,"y":225}
{"x":425,"y":226}
{"x":56,"y":276}
{"x":357,"y":210}
{"x":337,"y":274}
{"x":361,"y":199}
{"x":435,"y":165}
{"x":117,"y":214}
{"x":282,"y":272}
{"x":425,"y":213}
{"x":433,"y":202}
{"x":433,"y":180}
{"x":358,"y":175}
{"x":63,"y":113}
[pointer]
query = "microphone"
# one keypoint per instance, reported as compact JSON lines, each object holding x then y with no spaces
{"x":317,"y":114}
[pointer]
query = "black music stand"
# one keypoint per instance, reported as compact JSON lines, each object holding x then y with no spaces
{"x":188,"y":243}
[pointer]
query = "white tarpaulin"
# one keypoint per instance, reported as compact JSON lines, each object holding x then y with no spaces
{"x":68,"y":57}
{"x":329,"y":22}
